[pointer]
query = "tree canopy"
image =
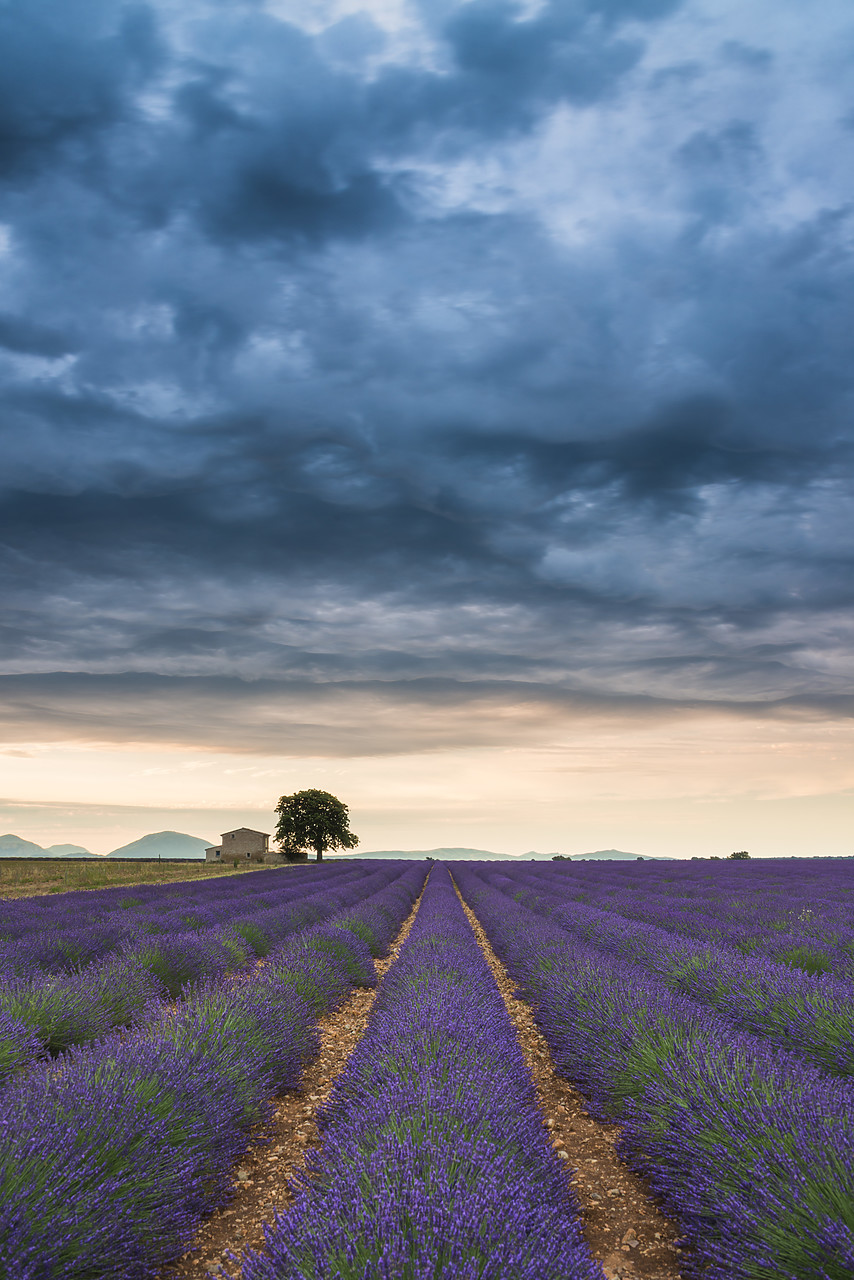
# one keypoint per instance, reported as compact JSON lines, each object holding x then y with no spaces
{"x":313,"y":820}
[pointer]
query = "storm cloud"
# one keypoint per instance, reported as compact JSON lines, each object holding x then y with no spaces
{"x":401,"y":365}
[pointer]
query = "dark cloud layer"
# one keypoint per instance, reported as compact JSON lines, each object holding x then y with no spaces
{"x":367,"y":717}
{"x":498,"y":345}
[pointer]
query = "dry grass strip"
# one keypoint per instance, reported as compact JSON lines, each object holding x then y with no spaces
{"x":41,"y":877}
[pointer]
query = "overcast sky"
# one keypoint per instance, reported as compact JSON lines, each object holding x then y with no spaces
{"x":446,"y":403}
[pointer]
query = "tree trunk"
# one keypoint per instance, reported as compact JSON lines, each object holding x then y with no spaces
{"x":319,"y":854}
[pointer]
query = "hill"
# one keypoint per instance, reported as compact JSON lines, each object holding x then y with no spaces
{"x":176,"y":844}
{"x":451,"y":855}
{"x":618,"y":855}
{"x":17,"y":847}
{"x":164,"y":844}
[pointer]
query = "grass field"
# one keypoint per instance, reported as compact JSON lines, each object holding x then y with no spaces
{"x":25,"y":879}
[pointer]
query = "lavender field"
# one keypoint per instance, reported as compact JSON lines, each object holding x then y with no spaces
{"x":706,"y":1010}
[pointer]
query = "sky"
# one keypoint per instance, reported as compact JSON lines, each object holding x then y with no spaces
{"x":447,"y":405}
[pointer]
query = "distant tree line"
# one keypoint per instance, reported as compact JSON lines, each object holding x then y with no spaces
{"x":739,"y":855}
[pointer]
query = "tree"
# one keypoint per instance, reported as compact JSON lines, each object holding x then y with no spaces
{"x":313,"y":820}
{"x":741,"y":854}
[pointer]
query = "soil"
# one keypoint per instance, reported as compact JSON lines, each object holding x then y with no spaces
{"x":262,"y":1177}
{"x":621,"y":1220}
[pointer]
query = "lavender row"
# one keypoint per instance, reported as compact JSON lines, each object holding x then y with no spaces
{"x":811,"y":1016}
{"x":109,"y":1161}
{"x":78,"y":934}
{"x":804,"y":941}
{"x":65,"y":1010}
{"x":749,"y":1147}
{"x":20,"y":916}
{"x":47,"y":1015}
{"x":792,"y":934}
{"x":784,"y":911}
{"x":435,"y":1161}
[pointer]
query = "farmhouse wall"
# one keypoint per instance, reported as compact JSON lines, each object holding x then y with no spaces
{"x":245,"y":845}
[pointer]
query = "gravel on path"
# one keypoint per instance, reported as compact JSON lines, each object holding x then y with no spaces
{"x":262,"y":1179}
{"x":621,"y":1220}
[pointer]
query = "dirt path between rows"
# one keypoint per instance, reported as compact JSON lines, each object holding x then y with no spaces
{"x":620,"y":1219}
{"x":262,"y":1177}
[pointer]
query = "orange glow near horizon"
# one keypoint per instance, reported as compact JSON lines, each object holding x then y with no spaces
{"x":705,"y":783}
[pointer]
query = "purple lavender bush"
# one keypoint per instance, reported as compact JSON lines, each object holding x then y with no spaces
{"x":20,"y":1046}
{"x":809,"y":1015}
{"x":70,"y":949}
{"x":377,"y":919}
{"x":755,"y":1149}
{"x":123,"y":990}
{"x":110,"y":1156}
{"x":795,"y":911}
{"x":106,"y":1167}
{"x":71,"y":930}
{"x":435,"y":1160}
{"x":61,"y":1010}
{"x":749,"y":1146}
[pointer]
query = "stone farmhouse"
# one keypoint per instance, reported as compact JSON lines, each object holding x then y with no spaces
{"x":245,"y":845}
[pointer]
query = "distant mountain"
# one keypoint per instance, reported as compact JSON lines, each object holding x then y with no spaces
{"x":17,"y":847}
{"x":175,"y":844}
{"x":164,"y":844}
{"x":619,"y":855}
{"x":451,"y":855}
{"x":484,"y":855}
